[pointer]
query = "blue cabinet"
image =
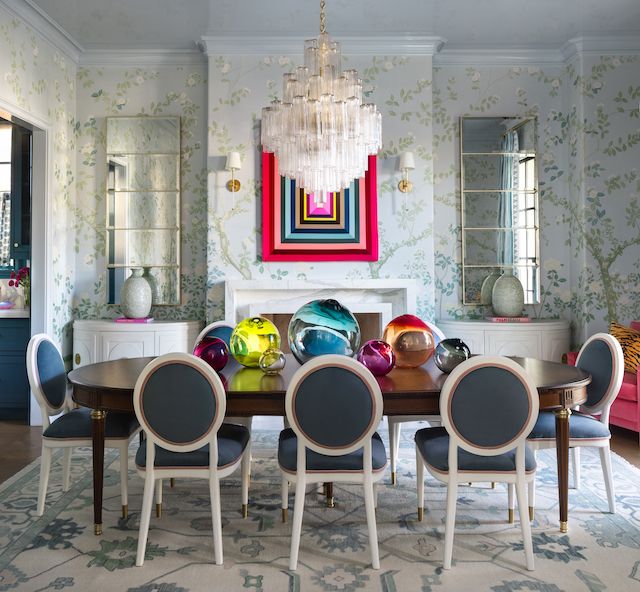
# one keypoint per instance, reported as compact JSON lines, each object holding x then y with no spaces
{"x":14,"y":384}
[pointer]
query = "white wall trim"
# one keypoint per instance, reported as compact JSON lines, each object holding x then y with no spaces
{"x":351,"y":45}
{"x":138,"y":57}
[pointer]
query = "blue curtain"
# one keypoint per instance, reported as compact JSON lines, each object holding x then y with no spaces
{"x":508,"y":182}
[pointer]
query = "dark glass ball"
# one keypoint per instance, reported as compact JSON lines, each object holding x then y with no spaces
{"x":449,"y":353}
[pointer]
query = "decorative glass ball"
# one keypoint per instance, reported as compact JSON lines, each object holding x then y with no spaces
{"x":272,"y":361}
{"x":378,"y":356}
{"x":251,"y":338}
{"x":449,"y":353}
{"x":213,"y":351}
{"x":323,"y":327}
{"x":411,"y":339}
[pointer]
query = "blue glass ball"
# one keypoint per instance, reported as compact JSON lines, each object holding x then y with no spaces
{"x":323,"y":327}
{"x":449,"y":353}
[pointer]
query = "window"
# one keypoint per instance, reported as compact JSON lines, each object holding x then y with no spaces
{"x":15,"y":196}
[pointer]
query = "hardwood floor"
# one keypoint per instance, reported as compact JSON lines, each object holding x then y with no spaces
{"x":20,"y":444}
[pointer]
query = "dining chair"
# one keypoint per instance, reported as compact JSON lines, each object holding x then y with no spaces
{"x":72,"y":427}
{"x":489,"y":405}
{"x":334,"y":406}
{"x":223,"y":330}
{"x":395,"y":421}
{"x":180,"y":402}
{"x":602,"y":357}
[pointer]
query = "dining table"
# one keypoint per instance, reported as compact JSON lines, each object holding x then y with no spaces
{"x":109,"y":386}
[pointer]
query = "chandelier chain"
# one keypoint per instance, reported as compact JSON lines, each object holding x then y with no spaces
{"x":322,"y":16}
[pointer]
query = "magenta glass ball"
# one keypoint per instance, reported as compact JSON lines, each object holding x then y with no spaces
{"x":377,"y":356}
{"x":213,"y":351}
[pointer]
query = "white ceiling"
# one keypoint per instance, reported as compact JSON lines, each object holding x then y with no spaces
{"x":180,"y":24}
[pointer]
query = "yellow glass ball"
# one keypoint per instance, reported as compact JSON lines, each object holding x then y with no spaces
{"x":251,"y":338}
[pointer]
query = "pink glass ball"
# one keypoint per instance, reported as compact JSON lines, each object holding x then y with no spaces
{"x":213,"y":351}
{"x":411,"y":339}
{"x":377,"y":356}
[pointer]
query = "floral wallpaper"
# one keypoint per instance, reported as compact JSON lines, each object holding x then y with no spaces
{"x":589,"y":185}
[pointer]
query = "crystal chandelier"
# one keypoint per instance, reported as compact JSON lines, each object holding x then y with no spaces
{"x":321,"y":132}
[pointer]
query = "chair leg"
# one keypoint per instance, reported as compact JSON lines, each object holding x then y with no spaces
{"x":124,"y":475}
{"x":510,"y":504}
{"x":605,"y":460}
{"x":394,"y":446}
{"x":66,"y":468}
{"x":532,"y":492}
{"x":298,"y":510}
{"x":245,"y":467}
{"x":524,"y":524}
{"x":369,"y":504}
{"x":158,"y":498}
{"x":45,"y":466}
{"x":145,"y":518}
{"x":216,"y":518}
{"x":375,"y":496}
{"x":420,"y":478}
{"x":284,"y":496}
{"x":575,"y":458}
{"x":450,"y":522}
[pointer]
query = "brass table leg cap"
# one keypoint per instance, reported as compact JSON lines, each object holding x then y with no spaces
{"x":331,"y":502}
{"x":564,"y":526}
{"x":173,"y":482}
{"x":97,"y":529}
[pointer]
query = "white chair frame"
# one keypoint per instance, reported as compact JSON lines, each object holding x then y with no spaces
{"x":395,"y":421}
{"x":602,"y":409}
{"x":453,"y":478}
{"x":48,"y":446}
{"x":301,"y":478}
{"x":153,"y":475}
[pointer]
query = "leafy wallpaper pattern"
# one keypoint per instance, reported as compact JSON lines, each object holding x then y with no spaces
{"x":588,"y":144}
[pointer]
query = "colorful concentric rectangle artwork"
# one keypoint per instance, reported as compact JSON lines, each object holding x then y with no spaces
{"x":296,"y":228}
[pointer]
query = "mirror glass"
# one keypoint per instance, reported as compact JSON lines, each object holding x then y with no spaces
{"x":143,"y":204}
{"x":499,"y":188}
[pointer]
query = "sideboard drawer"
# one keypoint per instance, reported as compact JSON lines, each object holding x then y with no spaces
{"x":14,"y":384}
{"x":14,"y":335}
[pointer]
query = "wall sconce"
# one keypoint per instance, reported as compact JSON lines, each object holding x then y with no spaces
{"x":233,"y":164}
{"x":406,"y":162}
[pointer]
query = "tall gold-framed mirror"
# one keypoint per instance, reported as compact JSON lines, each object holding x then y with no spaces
{"x":499,"y":192}
{"x":143,"y":204}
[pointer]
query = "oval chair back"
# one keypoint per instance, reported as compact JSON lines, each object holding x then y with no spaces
{"x":47,"y":376}
{"x":602,"y":357}
{"x":489,"y":404}
{"x":333,"y":404}
{"x":180,"y":403}
{"x":220,"y":329}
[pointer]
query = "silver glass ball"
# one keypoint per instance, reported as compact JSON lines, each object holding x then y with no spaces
{"x":449,"y":353}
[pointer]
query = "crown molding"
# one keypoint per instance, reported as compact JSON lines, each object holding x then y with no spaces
{"x":625,"y":42}
{"x":32,"y":16}
{"x":135,"y":56}
{"x":351,"y":45}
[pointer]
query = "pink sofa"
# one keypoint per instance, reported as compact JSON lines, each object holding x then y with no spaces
{"x":625,"y":410}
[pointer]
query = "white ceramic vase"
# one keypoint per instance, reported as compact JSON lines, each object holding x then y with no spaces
{"x":135,"y":295}
{"x":507,"y":297}
{"x":153,"y":282}
{"x":487,"y":286}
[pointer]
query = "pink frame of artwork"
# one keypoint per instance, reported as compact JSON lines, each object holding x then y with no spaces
{"x":277,"y":244}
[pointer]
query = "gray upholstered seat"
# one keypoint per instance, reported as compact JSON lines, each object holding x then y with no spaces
{"x":180,"y":403}
{"x":602,"y":357}
{"x":488,"y":405}
{"x":334,"y":406}
{"x":71,"y":427}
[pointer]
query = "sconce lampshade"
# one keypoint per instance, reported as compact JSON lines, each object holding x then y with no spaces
{"x":407,"y":161}
{"x":233,"y":162}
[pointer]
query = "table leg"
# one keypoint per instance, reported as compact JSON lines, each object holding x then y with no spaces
{"x":98,"y":420}
{"x":562,"y":451}
{"x":329,"y":493}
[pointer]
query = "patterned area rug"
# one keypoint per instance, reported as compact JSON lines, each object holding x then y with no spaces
{"x":59,"y":550}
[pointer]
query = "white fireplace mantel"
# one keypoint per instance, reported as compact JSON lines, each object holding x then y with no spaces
{"x":389,"y":297}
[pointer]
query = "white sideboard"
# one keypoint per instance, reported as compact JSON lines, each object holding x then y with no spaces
{"x":544,"y":339}
{"x":100,"y":341}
